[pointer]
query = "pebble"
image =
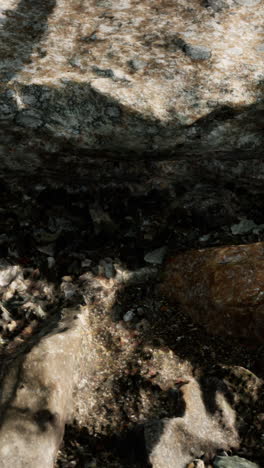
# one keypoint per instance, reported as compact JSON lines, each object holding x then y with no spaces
{"x":156,"y":256}
{"x":104,"y":72}
{"x":233,"y":462}
{"x":116,"y":313}
{"x":204,"y":238}
{"x":109,"y":269}
{"x":197,"y":463}
{"x":129,"y":315}
{"x":136,"y":64}
{"x":75,"y":62}
{"x":7,"y":273}
{"x":197,"y":52}
{"x":86,"y":263}
{"x":47,"y":249}
{"x":248,"y":2}
{"x":217,"y":5}
{"x":68,"y":289}
{"x":246,"y":225}
{"x":51,"y":262}
{"x":260,"y":48}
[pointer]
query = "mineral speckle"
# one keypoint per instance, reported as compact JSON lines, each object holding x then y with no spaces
{"x":198,"y":52}
{"x":160,"y":63}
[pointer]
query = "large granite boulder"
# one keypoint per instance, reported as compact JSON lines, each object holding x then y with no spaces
{"x":158,"y":79}
{"x":221,"y":288}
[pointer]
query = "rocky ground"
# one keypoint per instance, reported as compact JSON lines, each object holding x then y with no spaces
{"x":56,"y":236}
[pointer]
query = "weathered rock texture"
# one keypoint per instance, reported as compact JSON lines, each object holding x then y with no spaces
{"x":127,"y":79}
{"x":81,"y":365}
{"x":36,"y":396}
{"x":177,"y":441}
{"x":221,"y":288}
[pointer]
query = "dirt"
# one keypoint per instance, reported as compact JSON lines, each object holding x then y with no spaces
{"x":52,"y":230}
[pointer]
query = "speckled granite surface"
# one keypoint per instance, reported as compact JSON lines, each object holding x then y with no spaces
{"x":157,"y":76}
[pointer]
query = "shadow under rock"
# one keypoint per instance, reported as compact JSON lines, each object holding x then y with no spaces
{"x":208,"y":355}
{"x":21,"y":31}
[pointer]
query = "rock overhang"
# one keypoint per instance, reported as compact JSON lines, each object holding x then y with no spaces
{"x":148,"y":78}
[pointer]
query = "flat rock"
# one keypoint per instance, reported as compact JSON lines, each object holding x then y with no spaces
{"x":234,"y":462}
{"x":36,"y":396}
{"x":156,"y":256}
{"x":129,"y":78}
{"x":8,"y":273}
{"x":248,"y":3}
{"x":217,"y":5}
{"x":221,"y":288}
{"x":198,"y":52}
{"x":177,"y":441}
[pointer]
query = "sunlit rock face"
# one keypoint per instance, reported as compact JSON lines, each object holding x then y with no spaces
{"x":162,"y":77}
{"x":221,"y":288}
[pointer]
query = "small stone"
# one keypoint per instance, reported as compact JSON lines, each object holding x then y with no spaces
{"x":75,"y":62}
{"x":197,"y":52}
{"x":156,"y":256}
{"x":233,"y":462}
{"x":136,"y":64}
{"x":68,"y":289}
{"x":222,"y":453}
{"x":47,"y":249}
{"x":86,"y":263}
{"x":235,"y":51}
{"x":244,"y":226}
{"x":260,"y":48}
{"x":104,"y":72}
{"x":199,"y":463}
{"x":93,"y":37}
{"x":248,"y":2}
{"x":8,"y":273}
{"x":204,"y":238}
{"x":217,"y":5}
{"x":12,"y":325}
{"x":109,"y":270}
{"x":129,"y":315}
{"x":51,"y":262}
{"x":108,"y":267}
{"x":211,"y":103}
{"x":116,"y":313}
{"x":67,"y":278}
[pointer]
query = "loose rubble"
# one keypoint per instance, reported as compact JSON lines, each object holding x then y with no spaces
{"x":142,"y":359}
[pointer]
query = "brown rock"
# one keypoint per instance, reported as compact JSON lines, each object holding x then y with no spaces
{"x":221,"y":288}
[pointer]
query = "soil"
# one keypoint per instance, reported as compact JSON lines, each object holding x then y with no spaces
{"x":57,"y":232}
